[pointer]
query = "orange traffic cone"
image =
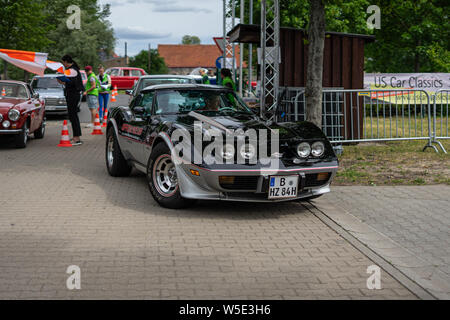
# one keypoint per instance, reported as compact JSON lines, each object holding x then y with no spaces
{"x":114,"y":94}
{"x":105,"y":118}
{"x":3,"y":92}
{"x":97,"y":127}
{"x":65,"y":140}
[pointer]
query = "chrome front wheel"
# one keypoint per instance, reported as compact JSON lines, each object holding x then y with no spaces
{"x":165,"y":175}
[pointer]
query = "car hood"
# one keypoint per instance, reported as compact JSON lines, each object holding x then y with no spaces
{"x":299,"y":130}
{"x":50,"y":92}
{"x":8,"y":103}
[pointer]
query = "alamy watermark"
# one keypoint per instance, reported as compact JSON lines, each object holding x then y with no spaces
{"x":73,"y":22}
{"x":374,"y":280}
{"x":74,"y":280}
{"x":374,"y":21}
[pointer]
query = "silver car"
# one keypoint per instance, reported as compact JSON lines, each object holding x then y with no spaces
{"x":52,"y":92}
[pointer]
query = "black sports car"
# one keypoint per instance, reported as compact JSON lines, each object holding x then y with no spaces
{"x":203,"y":142}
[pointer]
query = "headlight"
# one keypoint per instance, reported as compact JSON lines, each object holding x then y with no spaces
{"x":13,"y":114}
{"x":304,"y":150}
{"x":6,"y":124}
{"x":228,"y":152}
{"x":247,"y":151}
{"x":317,"y":149}
{"x":61,"y":101}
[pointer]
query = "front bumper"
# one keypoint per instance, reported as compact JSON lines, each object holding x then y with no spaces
{"x":10,"y":131}
{"x":56,"y":109}
{"x":206,"y":185}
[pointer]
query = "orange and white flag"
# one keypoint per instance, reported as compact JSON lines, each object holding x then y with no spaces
{"x":34,"y":62}
{"x":55,"y":66}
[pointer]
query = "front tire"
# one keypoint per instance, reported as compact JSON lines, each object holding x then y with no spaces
{"x":116,"y":164}
{"x":22,"y":138}
{"x":163,"y":181}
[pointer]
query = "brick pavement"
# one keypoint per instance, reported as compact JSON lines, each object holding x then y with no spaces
{"x":409,"y":226}
{"x":59,"y":207}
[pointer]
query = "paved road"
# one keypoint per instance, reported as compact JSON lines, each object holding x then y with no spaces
{"x":409,"y":226}
{"x":59,"y":207}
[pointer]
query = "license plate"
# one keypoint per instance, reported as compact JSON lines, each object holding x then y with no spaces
{"x":282,"y":187}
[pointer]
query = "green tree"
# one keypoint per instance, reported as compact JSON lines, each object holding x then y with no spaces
{"x":414,"y":37}
{"x":85,"y":45}
{"x":158,"y":66}
{"x":21,"y":28}
{"x":190,"y":40}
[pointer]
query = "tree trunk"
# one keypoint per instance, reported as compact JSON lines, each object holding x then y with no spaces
{"x":5,"y":70}
{"x":316,"y":43}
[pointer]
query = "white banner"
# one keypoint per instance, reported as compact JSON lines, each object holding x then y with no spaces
{"x":430,"y":82}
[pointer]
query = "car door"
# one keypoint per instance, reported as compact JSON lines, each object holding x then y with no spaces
{"x":141,"y":108}
{"x":39,"y":109}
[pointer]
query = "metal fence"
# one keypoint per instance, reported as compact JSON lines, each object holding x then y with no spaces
{"x":440,"y":117}
{"x":357,"y":115}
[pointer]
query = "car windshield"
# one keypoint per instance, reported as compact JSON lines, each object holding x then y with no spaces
{"x":151,"y":82}
{"x":45,"y":83}
{"x":203,"y":101}
{"x":13,"y":90}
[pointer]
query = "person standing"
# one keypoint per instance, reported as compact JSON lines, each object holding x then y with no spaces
{"x":226,"y":76}
{"x":91,"y":94}
{"x":204,"y":74}
{"x":73,"y":88}
{"x":103,"y":91}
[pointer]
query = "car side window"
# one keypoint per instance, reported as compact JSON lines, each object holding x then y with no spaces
{"x":126,"y":72}
{"x":144,"y":100}
{"x":136,"y":73}
{"x":22,"y":92}
{"x":114,"y":72}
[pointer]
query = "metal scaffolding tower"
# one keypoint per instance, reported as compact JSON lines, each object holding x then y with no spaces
{"x":270,"y":56}
{"x":229,"y":48}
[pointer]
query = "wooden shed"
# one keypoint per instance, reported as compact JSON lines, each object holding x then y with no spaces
{"x":343,"y":65}
{"x":343,"y":56}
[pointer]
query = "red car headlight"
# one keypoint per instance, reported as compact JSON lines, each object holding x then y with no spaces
{"x":13,"y":114}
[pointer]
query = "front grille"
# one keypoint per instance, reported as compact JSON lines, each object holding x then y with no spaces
{"x":311,"y":180}
{"x":241,"y":183}
{"x":51,"y":101}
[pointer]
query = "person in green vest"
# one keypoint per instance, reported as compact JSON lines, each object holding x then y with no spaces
{"x":91,"y":94}
{"x":103,"y":91}
{"x":204,"y":74}
{"x":227,"y":80}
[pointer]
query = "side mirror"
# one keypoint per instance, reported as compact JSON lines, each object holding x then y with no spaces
{"x":129,"y":92}
{"x":139,"y":110}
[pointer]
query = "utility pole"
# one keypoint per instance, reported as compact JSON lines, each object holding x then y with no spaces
{"x":126,"y":55}
{"x":241,"y":52}
{"x":250,"y":51}
{"x":149,"y":58}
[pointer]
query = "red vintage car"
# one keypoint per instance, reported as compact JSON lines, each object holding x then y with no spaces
{"x":22,"y":112}
{"x":124,"y":77}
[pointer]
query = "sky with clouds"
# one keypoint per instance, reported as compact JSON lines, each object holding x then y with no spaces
{"x":140,"y":22}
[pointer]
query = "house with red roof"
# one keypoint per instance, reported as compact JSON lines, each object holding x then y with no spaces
{"x":183,"y":58}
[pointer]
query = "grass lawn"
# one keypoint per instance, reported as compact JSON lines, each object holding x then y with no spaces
{"x":393,"y":163}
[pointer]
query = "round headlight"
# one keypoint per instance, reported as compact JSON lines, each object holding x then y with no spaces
{"x":228,"y":152}
{"x":247,"y":151}
{"x":304,"y":150}
{"x":317,"y":149}
{"x":13,"y":114}
{"x":6,"y":124}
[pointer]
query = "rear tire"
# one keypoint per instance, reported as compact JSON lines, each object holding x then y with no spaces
{"x":22,"y":138}
{"x":116,"y":164}
{"x":163,"y":181}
